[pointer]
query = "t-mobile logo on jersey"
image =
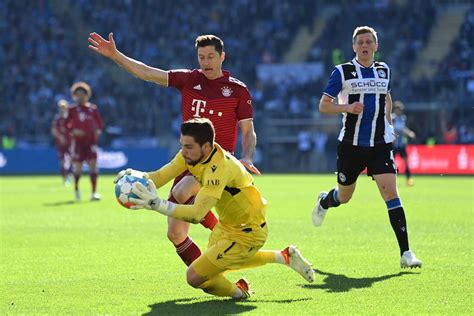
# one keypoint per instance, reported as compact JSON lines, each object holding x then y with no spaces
{"x":199,"y":106}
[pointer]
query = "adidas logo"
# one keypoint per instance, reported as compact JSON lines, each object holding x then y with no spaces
{"x":198,"y":87}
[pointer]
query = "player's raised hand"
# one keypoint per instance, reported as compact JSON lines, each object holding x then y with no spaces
{"x":356,"y":108}
{"x":102,"y":46}
{"x":250,"y":167}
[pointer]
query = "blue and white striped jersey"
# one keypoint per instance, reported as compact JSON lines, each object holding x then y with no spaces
{"x":352,"y":82}
{"x":399,"y":125}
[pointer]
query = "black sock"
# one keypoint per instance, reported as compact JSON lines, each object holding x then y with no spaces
{"x":331,"y":200}
{"x":399,"y":223}
{"x":407,"y":172}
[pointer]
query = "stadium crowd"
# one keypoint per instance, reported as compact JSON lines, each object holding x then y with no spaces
{"x":47,"y":51}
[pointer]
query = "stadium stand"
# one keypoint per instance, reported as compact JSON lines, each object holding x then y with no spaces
{"x":46,"y":51}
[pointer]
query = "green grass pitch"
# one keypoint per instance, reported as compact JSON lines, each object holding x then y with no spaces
{"x":61,"y":257}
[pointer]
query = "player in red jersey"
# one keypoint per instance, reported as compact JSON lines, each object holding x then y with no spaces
{"x":208,"y":92}
{"x":85,"y":125}
{"x":62,"y":139}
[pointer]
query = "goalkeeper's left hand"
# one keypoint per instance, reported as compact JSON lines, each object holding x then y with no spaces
{"x":130,"y":171}
{"x":148,"y":198}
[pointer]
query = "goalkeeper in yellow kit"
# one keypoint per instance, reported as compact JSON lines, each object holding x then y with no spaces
{"x":241,"y":231}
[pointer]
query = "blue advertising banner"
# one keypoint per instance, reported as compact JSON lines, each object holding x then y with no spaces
{"x":45,"y":161}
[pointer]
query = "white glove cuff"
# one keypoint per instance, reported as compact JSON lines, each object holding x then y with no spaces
{"x":164,"y":207}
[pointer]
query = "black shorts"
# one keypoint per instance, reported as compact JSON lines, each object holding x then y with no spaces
{"x":352,"y":160}
{"x":402,"y":151}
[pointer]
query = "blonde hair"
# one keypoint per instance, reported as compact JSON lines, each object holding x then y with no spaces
{"x":63,"y":103}
{"x":398,"y":105}
{"x":363,"y":30}
{"x":81,"y":85}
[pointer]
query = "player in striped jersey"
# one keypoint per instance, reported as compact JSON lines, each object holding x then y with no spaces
{"x":208,"y":92}
{"x":362,"y":90}
{"x":402,"y":132}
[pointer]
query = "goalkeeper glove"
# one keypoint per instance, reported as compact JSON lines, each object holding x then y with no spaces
{"x":130,"y":171}
{"x":148,"y":198}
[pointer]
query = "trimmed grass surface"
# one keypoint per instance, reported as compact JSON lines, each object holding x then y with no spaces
{"x":62,"y":257}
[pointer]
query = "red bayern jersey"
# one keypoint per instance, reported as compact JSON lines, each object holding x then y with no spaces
{"x":60,"y":124}
{"x":85,"y":117}
{"x":224,"y":101}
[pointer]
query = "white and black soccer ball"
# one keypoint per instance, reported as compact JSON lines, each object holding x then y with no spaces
{"x":123,"y":189}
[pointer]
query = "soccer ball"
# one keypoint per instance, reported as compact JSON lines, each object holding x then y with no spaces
{"x":123,"y":189}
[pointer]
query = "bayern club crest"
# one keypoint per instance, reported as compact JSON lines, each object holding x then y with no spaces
{"x":226,"y":91}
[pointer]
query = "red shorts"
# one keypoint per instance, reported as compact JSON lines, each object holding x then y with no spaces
{"x":83,"y":151}
{"x":62,"y":151}
{"x":181,"y":176}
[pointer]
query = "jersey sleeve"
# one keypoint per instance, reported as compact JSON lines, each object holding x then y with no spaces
{"x":194,"y":213}
{"x":214,"y":182}
{"x":334,"y":85}
{"x":177,"y":78}
{"x":169,"y":171}
{"x":245,"y":108}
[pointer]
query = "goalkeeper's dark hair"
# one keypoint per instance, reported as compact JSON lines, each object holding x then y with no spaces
{"x":210,"y":40}
{"x":201,"y":129}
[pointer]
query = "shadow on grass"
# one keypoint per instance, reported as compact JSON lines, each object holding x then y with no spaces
{"x":287,"y":301}
{"x":186,"y":306}
{"x":61,"y":203}
{"x":334,"y":283}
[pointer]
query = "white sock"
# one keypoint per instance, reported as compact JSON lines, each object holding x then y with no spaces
{"x":279,"y":257}
{"x":238,"y":293}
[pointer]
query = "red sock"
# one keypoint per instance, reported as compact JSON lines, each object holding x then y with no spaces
{"x":76,"y":181}
{"x":93,"y":181}
{"x":188,"y":251}
{"x":209,"y":221}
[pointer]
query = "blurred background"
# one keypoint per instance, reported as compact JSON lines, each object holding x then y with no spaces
{"x":283,"y":50}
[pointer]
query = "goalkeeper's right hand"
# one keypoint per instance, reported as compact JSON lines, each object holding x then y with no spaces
{"x":129,"y":171}
{"x":148,"y":198}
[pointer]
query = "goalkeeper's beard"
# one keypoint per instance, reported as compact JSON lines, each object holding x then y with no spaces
{"x":194,"y":162}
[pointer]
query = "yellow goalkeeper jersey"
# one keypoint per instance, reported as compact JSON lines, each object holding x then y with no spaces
{"x":223,"y":178}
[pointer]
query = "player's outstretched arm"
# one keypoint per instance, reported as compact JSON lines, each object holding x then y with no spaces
{"x":148,"y":198}
{"x":409,"y":132}
{"x":388,"y":108}
{"x":108,"y":49}
{"x":249,"y":141}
